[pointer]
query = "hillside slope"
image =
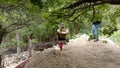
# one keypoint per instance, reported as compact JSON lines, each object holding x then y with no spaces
{"x":79,"y":53}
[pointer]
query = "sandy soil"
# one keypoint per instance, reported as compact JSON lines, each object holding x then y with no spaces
{"x":79,"y":53}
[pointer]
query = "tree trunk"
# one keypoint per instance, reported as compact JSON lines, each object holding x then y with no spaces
{"x":0,"y":61}
{"x":71,"y":29}
{"x":18,"y":43}
{"x":2,"y":34}
{"x":30,"y":46}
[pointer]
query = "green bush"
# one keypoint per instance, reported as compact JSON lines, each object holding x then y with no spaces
{"x":116,"y":37}
{"x":12,"y":42}
{"x":109,"y":30}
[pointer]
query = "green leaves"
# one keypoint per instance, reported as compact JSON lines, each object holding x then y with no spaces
{"x":37,"y":2}
{"x":116,"y":37}
{"x":3,"y":1}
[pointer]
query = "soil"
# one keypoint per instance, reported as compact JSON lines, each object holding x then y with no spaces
{"x":79,"y":53}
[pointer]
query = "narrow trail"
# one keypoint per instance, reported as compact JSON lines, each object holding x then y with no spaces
{"x":79,"y":53}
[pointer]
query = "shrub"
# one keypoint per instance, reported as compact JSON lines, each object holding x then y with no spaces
{"x":116,"y":37}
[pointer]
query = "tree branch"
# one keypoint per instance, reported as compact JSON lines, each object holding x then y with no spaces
{"x":93,"y":13}
{"x":74,"y":5}
{"x":80,"y":2}
{"x":10,"y":25}
{"x":19,"y":26}
{"x":77,"y":16}
{"x":82,"y":8}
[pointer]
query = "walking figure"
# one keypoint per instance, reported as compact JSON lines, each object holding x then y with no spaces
{"x":62,"y":32}
{"x":95,"y":27}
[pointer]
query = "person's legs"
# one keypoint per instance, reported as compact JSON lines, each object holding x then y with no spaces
{"x":96,"y":37}
{"x":93,"y":31}
{"x":60,"y":43}
{"x":96,"y":33}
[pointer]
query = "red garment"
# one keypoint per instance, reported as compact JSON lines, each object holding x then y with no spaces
{"x":60,"y":44}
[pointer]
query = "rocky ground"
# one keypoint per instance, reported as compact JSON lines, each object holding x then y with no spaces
{"x":13,"y":60}
{"x":10,"y":61}
{"x":78,"y":53}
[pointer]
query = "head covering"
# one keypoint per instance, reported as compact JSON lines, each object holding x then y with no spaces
{"x":62,"y":26}
{"x":96,"y":22}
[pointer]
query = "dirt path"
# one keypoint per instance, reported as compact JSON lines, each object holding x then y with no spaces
{"x":79,"y":53}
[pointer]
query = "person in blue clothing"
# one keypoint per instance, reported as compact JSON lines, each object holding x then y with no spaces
{"x":95,"y":27}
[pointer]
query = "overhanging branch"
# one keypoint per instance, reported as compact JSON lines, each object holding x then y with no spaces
{"x":93,"y":13}
{"x":77,"y":16}
{"x":82,"y":8}
{"x":80,"y":2}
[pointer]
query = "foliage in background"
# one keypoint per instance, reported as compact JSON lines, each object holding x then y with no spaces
{"x":12,"y":42}
{"x":116,"y":37}
{"x":44,"y":24}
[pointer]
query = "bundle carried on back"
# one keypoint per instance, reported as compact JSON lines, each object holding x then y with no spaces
{"x":62,"y":32}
